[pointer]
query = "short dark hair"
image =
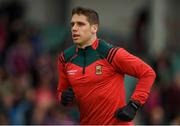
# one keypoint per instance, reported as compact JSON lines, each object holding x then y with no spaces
{"x":92,"y":15}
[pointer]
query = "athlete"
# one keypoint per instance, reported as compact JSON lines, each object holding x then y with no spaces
{"x":92,"y":72}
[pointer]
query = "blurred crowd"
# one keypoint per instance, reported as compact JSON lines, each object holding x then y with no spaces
{"x":28,"y":75}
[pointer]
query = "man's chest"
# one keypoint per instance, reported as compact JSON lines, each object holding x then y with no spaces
{"x":95,"y":73}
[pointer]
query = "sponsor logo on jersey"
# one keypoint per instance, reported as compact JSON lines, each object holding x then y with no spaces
{"x":71,"y":72}
{"x":99,"y":69}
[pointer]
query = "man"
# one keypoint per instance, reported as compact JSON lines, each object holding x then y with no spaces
{"x":92,"y":72}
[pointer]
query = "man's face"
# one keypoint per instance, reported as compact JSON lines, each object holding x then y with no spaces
{"x":81,"y":29}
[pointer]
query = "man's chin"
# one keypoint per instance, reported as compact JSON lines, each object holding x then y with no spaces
{"x":77,"y":41}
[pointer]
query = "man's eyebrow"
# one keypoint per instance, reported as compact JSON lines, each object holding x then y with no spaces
{"x":78,"y":22}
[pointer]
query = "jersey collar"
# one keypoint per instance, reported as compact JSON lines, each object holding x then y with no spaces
{"x":94,"y":45}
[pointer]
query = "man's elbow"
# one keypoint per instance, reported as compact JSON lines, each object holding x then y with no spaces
{"x":149,"y":73}
{"x":152,"y":73}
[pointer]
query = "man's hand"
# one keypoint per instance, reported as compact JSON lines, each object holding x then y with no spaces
{"x":67,"y":97}
{"x":128,"y":112}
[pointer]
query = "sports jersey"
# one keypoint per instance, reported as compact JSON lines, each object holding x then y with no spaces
{"x":96,"y":75}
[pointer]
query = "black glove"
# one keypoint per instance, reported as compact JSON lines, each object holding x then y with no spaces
{"x":128,"y":112}
{"x":67,"y":97}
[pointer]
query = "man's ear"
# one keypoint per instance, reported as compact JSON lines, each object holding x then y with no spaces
{"x":94,"y":28}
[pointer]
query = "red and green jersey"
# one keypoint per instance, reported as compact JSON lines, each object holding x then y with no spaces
{"x":96,"y":75}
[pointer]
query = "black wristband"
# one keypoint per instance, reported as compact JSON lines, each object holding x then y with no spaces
{"x":135,"y":104}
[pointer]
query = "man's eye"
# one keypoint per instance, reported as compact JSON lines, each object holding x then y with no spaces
{"x":80,"y":24}
{"x":72,"y":24}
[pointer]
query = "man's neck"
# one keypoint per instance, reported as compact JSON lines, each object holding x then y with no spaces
{"x":88,"y":43}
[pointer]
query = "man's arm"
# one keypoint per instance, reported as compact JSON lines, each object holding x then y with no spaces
{"x":65,"y":95}
{"x":129,"y":64}
{"x":134,"y":66}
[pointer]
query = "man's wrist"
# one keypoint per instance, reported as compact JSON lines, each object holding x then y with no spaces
{"x":135,"y":104}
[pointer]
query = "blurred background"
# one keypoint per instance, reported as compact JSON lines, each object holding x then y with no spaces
{"x":34,"y":32}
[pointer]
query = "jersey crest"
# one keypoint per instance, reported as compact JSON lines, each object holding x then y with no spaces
{"x":98,"y":69}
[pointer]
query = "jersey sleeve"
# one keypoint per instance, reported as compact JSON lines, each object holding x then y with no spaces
{"x":129,"y":64}
{"x":62,"y":77}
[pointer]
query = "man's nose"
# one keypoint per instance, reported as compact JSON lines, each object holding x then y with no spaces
{"x":74,"y":27}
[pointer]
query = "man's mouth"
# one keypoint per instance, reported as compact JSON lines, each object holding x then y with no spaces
{"x":75,"y":36}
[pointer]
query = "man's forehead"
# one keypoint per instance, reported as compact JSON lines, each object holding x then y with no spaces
{"x":79,"y":18}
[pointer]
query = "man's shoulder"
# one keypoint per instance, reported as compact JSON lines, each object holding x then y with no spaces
{"x":69,"y":52}
{"x":104,"y":44}
{"x":104,"y":47}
